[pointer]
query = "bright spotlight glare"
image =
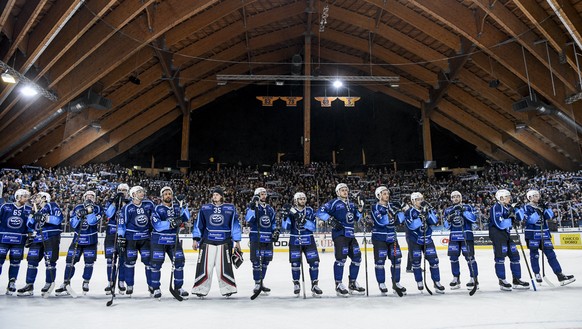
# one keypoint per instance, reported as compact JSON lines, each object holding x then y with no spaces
{"x":337,"y":84}
{"x":28,"y":91}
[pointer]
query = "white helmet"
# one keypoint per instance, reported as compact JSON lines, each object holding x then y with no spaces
{"x":122,"y":186}
{"x":44,"y":195}
{"x":456,"y":193}
{"x":20,"y":193}
{"x":531,"y":193}
{"x":260,"y":190}
{"x":299,"y":195}
{"x":135,"y":189}
{"x":166,"y":188}
{"x":416,"y":195}
{"x":502,"y":193}
{"x":339,"y":186}
{"x":90,"y":193}
{"x":379,"y":191}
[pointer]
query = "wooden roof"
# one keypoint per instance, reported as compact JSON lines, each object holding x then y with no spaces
{"x":447,"y":52}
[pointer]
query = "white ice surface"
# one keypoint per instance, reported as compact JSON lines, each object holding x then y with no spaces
{"x":557,"y":307}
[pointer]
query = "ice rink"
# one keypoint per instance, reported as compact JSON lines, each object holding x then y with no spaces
{"x":548,"y":307}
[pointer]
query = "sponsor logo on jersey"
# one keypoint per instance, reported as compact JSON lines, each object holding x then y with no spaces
{"x":216,"y":219}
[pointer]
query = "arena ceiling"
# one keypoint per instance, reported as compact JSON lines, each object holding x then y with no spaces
{"x":463,"y":63}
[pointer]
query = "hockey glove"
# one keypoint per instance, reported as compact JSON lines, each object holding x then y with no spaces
{"x":175,"y":222}
{"x":121,"y":243}
{"x":81,"y":213}
{"x":237,"y":257}
{"x":335,"y":224}
{"x":275,"y":236}
{"x":253,"y":203}
{"x":29,"y":240}
{"x":40,"y":218}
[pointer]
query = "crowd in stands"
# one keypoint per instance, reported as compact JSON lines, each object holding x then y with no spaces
{"x":318,"y":180}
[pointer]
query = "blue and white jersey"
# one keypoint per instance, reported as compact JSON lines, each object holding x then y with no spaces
{"x":217,"y":224}
{"x":13,"y":220}
{"x":386,"y":217}
{"x":52,"y":227}
{"x":418,"y":225}
{"x":87,"y":232}
{"x":163,"y":233}
{"x":459,"y":220}
{"x":135,"y":220}
{"x":344,"y":212}
{"x":499,"y":217}
{"x":266,"y":223}
{"x":536,"y":222}
{"x":300,"y":236}
{"x":113,"y":215}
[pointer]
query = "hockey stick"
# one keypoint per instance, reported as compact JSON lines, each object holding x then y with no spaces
{"x":525,"y":259}
{"x":366,"y":255}
{"x":68,"y":280}
{"x":475,"y":283}
{"x":424,"y":251}
{"x":116,"y":259}
{"x":542,"y":242}
{"x":258,"y":292}
{"x":173,"y":291}
{"x":301,"y":250}
{"x":394,"y":287}
{"x":45,"y":256}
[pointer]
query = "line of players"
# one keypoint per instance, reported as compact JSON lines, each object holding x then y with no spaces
{"x":137,"y":226}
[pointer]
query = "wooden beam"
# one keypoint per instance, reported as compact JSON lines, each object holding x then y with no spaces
{"x":5,"y":12}
{"x":514,"y":26}
{"x":447,"y":79}
{"x":26,"y":18}
{"x":171,"y":75}
{"x":570,"y":17}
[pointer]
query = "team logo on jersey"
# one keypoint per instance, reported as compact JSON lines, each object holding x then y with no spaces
{"x":457,"y":221}
{"x":84,"y":225}
{"x":216,"y":219}
{"x":141,"y":220}
{"x":265,"y":221}
{"x":350,"y":218}
{"x":14,"y":222}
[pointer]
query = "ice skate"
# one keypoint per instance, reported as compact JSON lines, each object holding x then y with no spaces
{"x":518,"y":284}
{"x":565,"y":279}
{"x":439,"y":288}
{"x":455,"y":284}
{"x":504,"y":285}
{"x":315,"y":290}
{"x":27,"y":290}
{"x":341,"y":290}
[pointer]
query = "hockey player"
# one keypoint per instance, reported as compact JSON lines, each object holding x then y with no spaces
{"x":500,"y":222}
{"x":13,"y":229}
{"x":300,"y":221}
{"x":386,"y":216}
{"x":459,"y":219}
{"x":264,"y":231}
{"x":537,"y":235}
{"x":216,"y":227}
{"x":113,"y":213}
{"x":342,"y":215}
{"x":46,"y":223}
{"x":86,"y":217}
{"x":166,"y":220}
{"x":419,"y":219}
{"x":133,"y":235}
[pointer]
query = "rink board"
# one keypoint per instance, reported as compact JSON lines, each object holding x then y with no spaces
{"x":561,"y":240}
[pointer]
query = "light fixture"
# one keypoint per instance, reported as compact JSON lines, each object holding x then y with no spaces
{"x":337,"y":84}
{"x":279,"y":83}
{"x":520,"y":126}
{"x":33,"y":89}
{"x":28,"y":91}
{"x":8,"y":78}
{"x":574,"y":97}
{"x":266,"y":77}
{"x":494,"y":83}
{"x":134,"y":79}
{"x":221,"y":83}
